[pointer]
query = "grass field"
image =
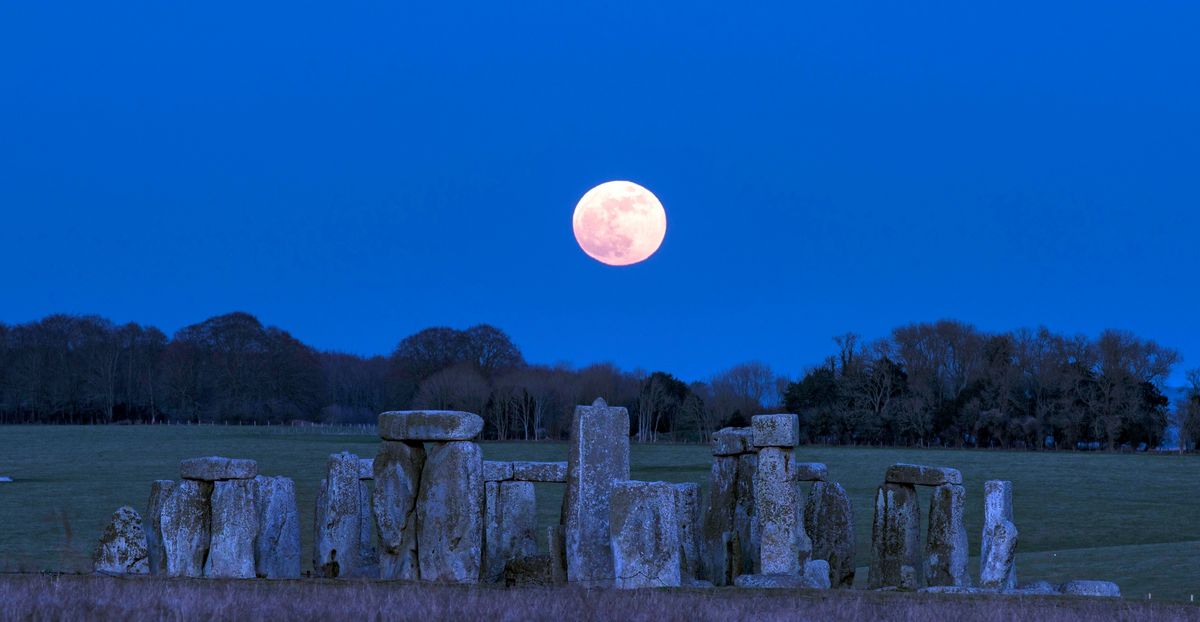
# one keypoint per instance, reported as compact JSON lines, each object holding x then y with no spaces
{"x":1134,"y":519}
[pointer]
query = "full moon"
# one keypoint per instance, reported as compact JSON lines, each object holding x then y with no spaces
{"x":619,"y":223}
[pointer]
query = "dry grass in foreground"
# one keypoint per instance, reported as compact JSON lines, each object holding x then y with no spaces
{"x":78,"y":597}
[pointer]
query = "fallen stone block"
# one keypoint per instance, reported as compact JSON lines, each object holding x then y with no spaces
{"x":955,"y":589}
{"x":429,"y":425}
{"x":216,"y":468}
{"x":597,"y":456}
{"x":781,"y":430}
{"x":234,"y":528}
{"x":895,"y":539}
{"x":811,"y":472}
{"x":548,"y":472}
{"x":277,"y":545}
{"x":159,"y":491}
{"x":732,"y":441}
{"x":1037,"y":588}
{"x":122,"y":547}
{"x":509,"y":524}
{"x":645,"y":535}
{"x":450,"y":513}
{"x":494,"y":471}
{"x":918,"y":475}
{"x":186,"y":528}
{"x":1091,"y":588}
{"x":397,"y":478}
{"x":946,"y":542}
{"x":829,"y":523}
{"x":816,"y":573}
{"x":818,"y":579}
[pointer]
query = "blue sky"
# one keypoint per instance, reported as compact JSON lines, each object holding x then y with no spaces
{"x":353,"y":172}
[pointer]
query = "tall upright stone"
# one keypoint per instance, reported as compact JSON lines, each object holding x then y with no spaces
{"x":946,"y":543}
{"x":397,"y":471}
{"x":159,"y":491}
{"x":368,"y":555}
{"x":726,"y":534}
{"x":597,"y":455}
{"x":510,"y":525}
{"x":277,"y":544}
{"x":337,"y":538}
{"x":783,"y":545}
{"x":895,"y":538}
{"x":450,"y":513}
{"x":645,"y":535}
{"x":829,"y":523}
{"x":687,"y":513}
{"x":122,"y":547}
{"x":745,"y":518}
{"x":234,"y":528}
{"x":186,"y":528}
{"x":997,"y":552}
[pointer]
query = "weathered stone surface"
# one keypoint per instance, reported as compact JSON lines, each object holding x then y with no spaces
{"x":829,"y":523}
{"x":557,"y":546}
{"x":955,"y":589}
{"x":234,"y":528}
{"x":1037,"y":588}
{"x":895,"y":539}
{"x":509,"y":524}
{"x":429,"y":425}
{"x":551,"y":472}
{"x":783,"y":545}
{"x":687,"y":514}
{"x":732,"y":441}
{"x":122,"y":547}
{"x":216,"y":468}
{"x":494,"y":471}
{"x":450,"y":513}
{"x":919,"y":475}
{"x":721,"y":557}
{"x":745,"y":513}
{"x":597,"y":455}
{"x":277,"y":544}
{"x":397,"y":478}
{"x":337,"y":537}
{"x":781,"y":430}
{"x":159,"y":491}
{"x":186,"y":528}
{"x":645,"y":535}
{"x":1091,"y":588}
{"x":368,"y":556}
{"x":997,"y":508}
{"x":995,"y":569}
{"x":530,"y":571}
{"x":946,"y":542}
{"x":811,"y":472}
{"x":366,"y":468}
{"x":815,"y":577}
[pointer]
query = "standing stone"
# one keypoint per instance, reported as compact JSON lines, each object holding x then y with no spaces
{"x":997,"y":509}
{"x":122,"y":547}
{"x":557,"y":546}
{"x":397,"y":477}
{"x":159,"y":491}
{"x":783,"y":545}
{"x":597,"y":455}
{"x":723,"y":563}
{"x":509,"y":526}
{"x":234,"y":528}
{"x":895,"y":538}
{"x":829,"y":522}
{"x":687,"y":514}
{"x":946,"y":542}
{"x":186,"y":528}
{"x":368,"y":556}
{"x":745,"y":516}
{"x":645,"y":535}
{"x":337,"y":532}
{"x":277,"y":545}
{"x":450,"y":513}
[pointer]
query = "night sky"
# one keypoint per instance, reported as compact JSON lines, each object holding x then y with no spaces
{"x":354,"y":172}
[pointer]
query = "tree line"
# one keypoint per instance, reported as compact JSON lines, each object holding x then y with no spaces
{"x":930,"y":384}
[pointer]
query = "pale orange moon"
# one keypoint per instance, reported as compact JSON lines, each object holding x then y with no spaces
{"x":619,"y":223}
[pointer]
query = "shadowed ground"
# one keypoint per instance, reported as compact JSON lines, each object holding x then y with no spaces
{"x":1128,"y":518}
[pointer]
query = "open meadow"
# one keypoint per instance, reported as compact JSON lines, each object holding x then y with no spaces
{"x":1133,"y":519}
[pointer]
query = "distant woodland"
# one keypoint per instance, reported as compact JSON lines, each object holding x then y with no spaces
{"x":929,"y":384}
